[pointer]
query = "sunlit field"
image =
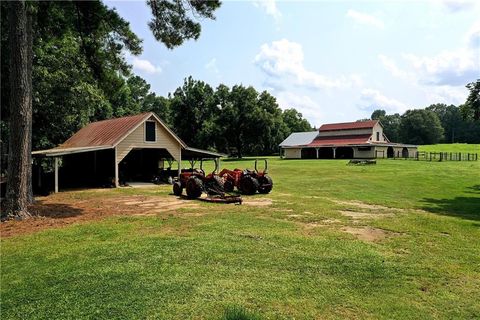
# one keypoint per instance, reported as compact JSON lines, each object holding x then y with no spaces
{"x":395,"y":240}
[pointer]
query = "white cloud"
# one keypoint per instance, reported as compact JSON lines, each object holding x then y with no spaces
{"x":145,"y":66}
{"x":270,"y":7}
{"x":212,"y":66}
{"x":456,"y":5}
{"x":373,"y":99}
{"x":456,"y":67}
{"x":364,"y":18}
{"x":283,"y":60}
{"x":392,"y":67}
{"x":472,"y":38}
{"x":446,"y":94}
{"x":303,"y":104}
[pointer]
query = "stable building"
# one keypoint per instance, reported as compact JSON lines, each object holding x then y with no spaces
{"x":349,"y":140}
{"x":133,"y":148}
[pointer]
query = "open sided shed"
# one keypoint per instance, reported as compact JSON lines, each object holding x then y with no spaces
{"x":131,"y":147}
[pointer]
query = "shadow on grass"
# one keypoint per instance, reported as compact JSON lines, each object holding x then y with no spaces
{"x":238,"y":313}
{"x":474,"y":189}
{"x":462,"y":207}
{"x":55,"y":210}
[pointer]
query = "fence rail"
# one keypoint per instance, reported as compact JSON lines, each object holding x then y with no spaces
{"x":446,"y":156}
{"x":430,"y":156}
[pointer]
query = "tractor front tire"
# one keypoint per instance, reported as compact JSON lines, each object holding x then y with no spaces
{"x":249,"y":185}
{"x":194,"y":187}
{"x":266,"y":184}
{"x":177,"y":188}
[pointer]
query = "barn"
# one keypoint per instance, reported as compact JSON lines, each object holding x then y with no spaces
{"x":348,"y":140}
{"x":109,"y":152}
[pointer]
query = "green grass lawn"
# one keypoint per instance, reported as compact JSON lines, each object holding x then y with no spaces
{"x":453,"y":147}
{"x":289,"y":260}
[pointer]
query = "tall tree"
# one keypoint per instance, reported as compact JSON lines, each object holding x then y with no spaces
{"x":193,"y":113}
{"x":102,"y":36}
{"x":18,"y":194}
{"x":295,"y":122}
{"x":420,"y":127}
{"x":471,"y":108}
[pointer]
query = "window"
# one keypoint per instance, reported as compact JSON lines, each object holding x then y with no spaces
{"x":150,"y":131}
{"x":364,"y":148}
{"x":378,"y":136}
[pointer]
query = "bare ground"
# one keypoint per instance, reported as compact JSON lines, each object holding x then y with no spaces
{"x":63,"y":209}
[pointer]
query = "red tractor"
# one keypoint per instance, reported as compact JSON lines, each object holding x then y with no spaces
{"x":247,"y":181}
{"x":195,"y":181}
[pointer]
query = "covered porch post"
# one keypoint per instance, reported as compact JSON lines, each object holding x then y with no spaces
{"x":334,"y":152}
{"x":317,"y":151}
{"x":56,"y":174}
{"x":116,"y":169}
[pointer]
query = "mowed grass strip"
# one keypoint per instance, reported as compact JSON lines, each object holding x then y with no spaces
{"x":290,"y":259}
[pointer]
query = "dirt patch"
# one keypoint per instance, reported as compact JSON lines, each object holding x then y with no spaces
{"x":294,"y":215}
{"x":65,"y":208}
{"x":331,"y":221}
{"x":257,"y":202}
{"x":368,"y":234}
{"x":363,"y":215}
{"x":362,"y":205}
{"x":311,"y":225}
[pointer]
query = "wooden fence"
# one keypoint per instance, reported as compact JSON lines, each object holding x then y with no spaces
{"x":431,"y":156}
{"x":446,"y":156}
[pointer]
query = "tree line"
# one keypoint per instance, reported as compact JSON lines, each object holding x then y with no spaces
{"x":437,"y":123}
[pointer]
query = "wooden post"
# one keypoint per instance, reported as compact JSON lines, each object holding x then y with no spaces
{"x":334,"y":153}
{"x":317,"y":152}
{"x":56,"y":174}
{"x":179,"y":161}
{"x":116,"y":170}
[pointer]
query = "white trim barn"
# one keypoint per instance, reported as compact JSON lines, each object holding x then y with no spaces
{"x":349,"y":140}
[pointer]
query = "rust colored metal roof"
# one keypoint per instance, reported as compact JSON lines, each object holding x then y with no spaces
{"x":348,"y":125}
{"x":104,"y":133}
{"x":340,"y":140}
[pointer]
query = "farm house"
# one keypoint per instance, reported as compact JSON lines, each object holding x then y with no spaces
{"x":108,"y":152}
{"x":349,"y":140}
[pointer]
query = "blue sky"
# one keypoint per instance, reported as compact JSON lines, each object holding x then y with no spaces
{"x":331,"y":60}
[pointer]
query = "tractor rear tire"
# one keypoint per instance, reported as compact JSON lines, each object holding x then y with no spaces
{"x":266,"y":184}
{"x":228,"y":186}
{"x":194,"y":187}
{"x":249,"y":185}
{"x":177,"y":188}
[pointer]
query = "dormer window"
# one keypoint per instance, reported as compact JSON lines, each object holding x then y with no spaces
{"x":378,"y":136}
{"x":150,"y":135}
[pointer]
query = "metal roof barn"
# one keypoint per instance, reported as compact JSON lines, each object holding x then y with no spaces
{"x":115,"y":150}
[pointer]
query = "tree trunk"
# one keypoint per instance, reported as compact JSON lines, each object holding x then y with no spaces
{"x":30,"y":90}
{"x":20,"y":126}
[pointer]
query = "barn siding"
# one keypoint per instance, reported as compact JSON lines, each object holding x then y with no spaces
{"x":293,"y":153}
{"x":136,"y":139}
{"x":364,"y":154}
{"x":377,"y":128}
{"x":345,"y":132}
